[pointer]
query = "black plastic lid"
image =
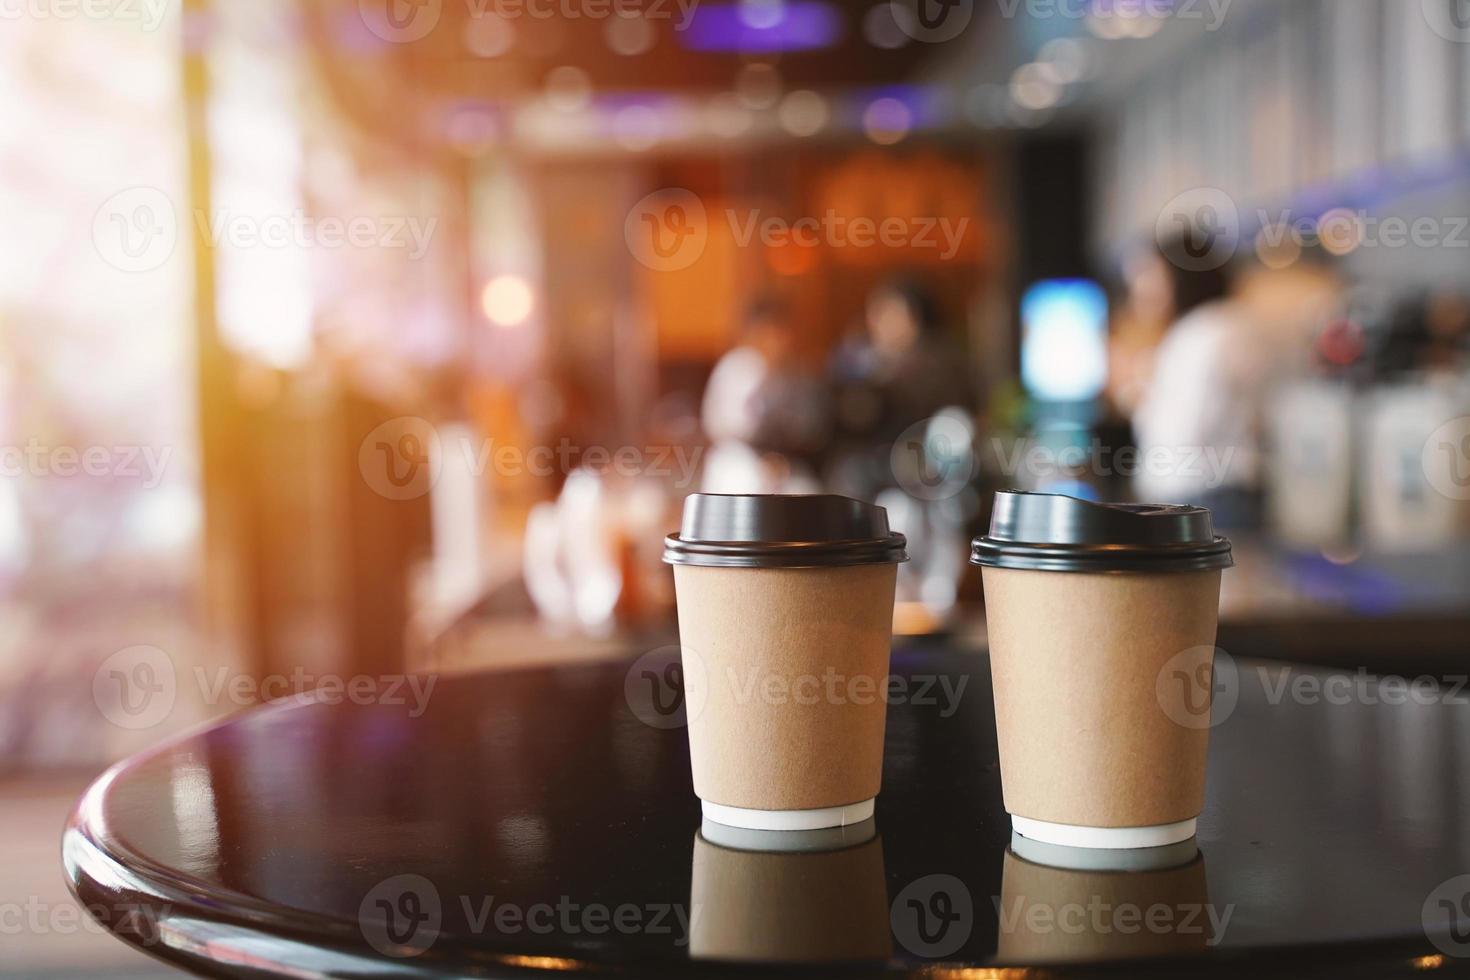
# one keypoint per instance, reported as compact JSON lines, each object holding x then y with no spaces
{"x":1055,"y":533}
{"x":782,"y":531}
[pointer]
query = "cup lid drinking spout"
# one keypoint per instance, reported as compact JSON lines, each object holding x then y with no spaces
{"x":782,"y":531}
{"x":1057,"y":533}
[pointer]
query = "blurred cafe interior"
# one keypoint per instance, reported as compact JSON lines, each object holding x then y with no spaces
{"x":359,"y":336}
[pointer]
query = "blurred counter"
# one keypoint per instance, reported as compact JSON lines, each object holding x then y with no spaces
{"x":1382,"y":612}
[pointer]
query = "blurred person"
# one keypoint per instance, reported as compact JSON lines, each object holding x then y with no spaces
{"x":896,"y":371}
{"x":902,"y":389}
{"x":915,"y":366}
{"x":762,"y":413}
{"x":1143,"y":313}
{"x":1199,"y":422}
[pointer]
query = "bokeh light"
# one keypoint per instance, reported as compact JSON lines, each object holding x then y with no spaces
{"x":758,"y":85}
{"x":1033,"y":87}
{"x":882,"y":29}
{"x":803,"y":112}
{"x":629,"y":36}
{"x":507,"y":300}
{"x":568,"y":88}
{"x":488,"y":36}
{"x":887,"y":121}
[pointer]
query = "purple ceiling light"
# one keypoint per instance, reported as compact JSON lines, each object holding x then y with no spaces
{"x":795,"y":25}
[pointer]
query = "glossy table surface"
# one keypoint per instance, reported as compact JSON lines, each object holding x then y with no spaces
{"x":543,"y":820}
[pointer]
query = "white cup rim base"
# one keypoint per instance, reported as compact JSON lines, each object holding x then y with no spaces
{"x":818,"y":819}
{"x":1071,"y":835}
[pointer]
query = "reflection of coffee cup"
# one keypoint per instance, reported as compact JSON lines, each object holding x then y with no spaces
{"x":1060,"y":904}
{"x":1088,"y":607}
{"x":785,"y":622}
{"x":795,"y":896}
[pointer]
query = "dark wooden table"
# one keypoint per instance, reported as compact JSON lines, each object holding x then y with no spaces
{"x":535,"y":821}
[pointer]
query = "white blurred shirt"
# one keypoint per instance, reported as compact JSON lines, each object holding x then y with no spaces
{"x":1198,"y":423}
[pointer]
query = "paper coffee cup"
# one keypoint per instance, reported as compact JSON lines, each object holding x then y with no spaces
{"x":1087,"y":606}
{"x":785,"y":624}
{"x":1057,"y":905}
{"x":805,"y":896}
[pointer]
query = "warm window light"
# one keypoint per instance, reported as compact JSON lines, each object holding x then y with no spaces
{"x":507,"y":300}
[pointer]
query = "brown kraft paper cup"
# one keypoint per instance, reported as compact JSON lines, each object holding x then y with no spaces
{"x":785,"y":623}
{"x":1074,"y":659}
{"x":1088,"y":607}
{"x":759,"y":647}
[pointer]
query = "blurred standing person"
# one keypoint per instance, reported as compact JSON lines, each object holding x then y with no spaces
{"x":895,"y":371}
{"x":914,"y":365}
{"x":1199,"y":422}
{"x":762,"y":413}
{"x":1144,"y":314}
{"x":903,"y":389}
{"x":1193,"y":403}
